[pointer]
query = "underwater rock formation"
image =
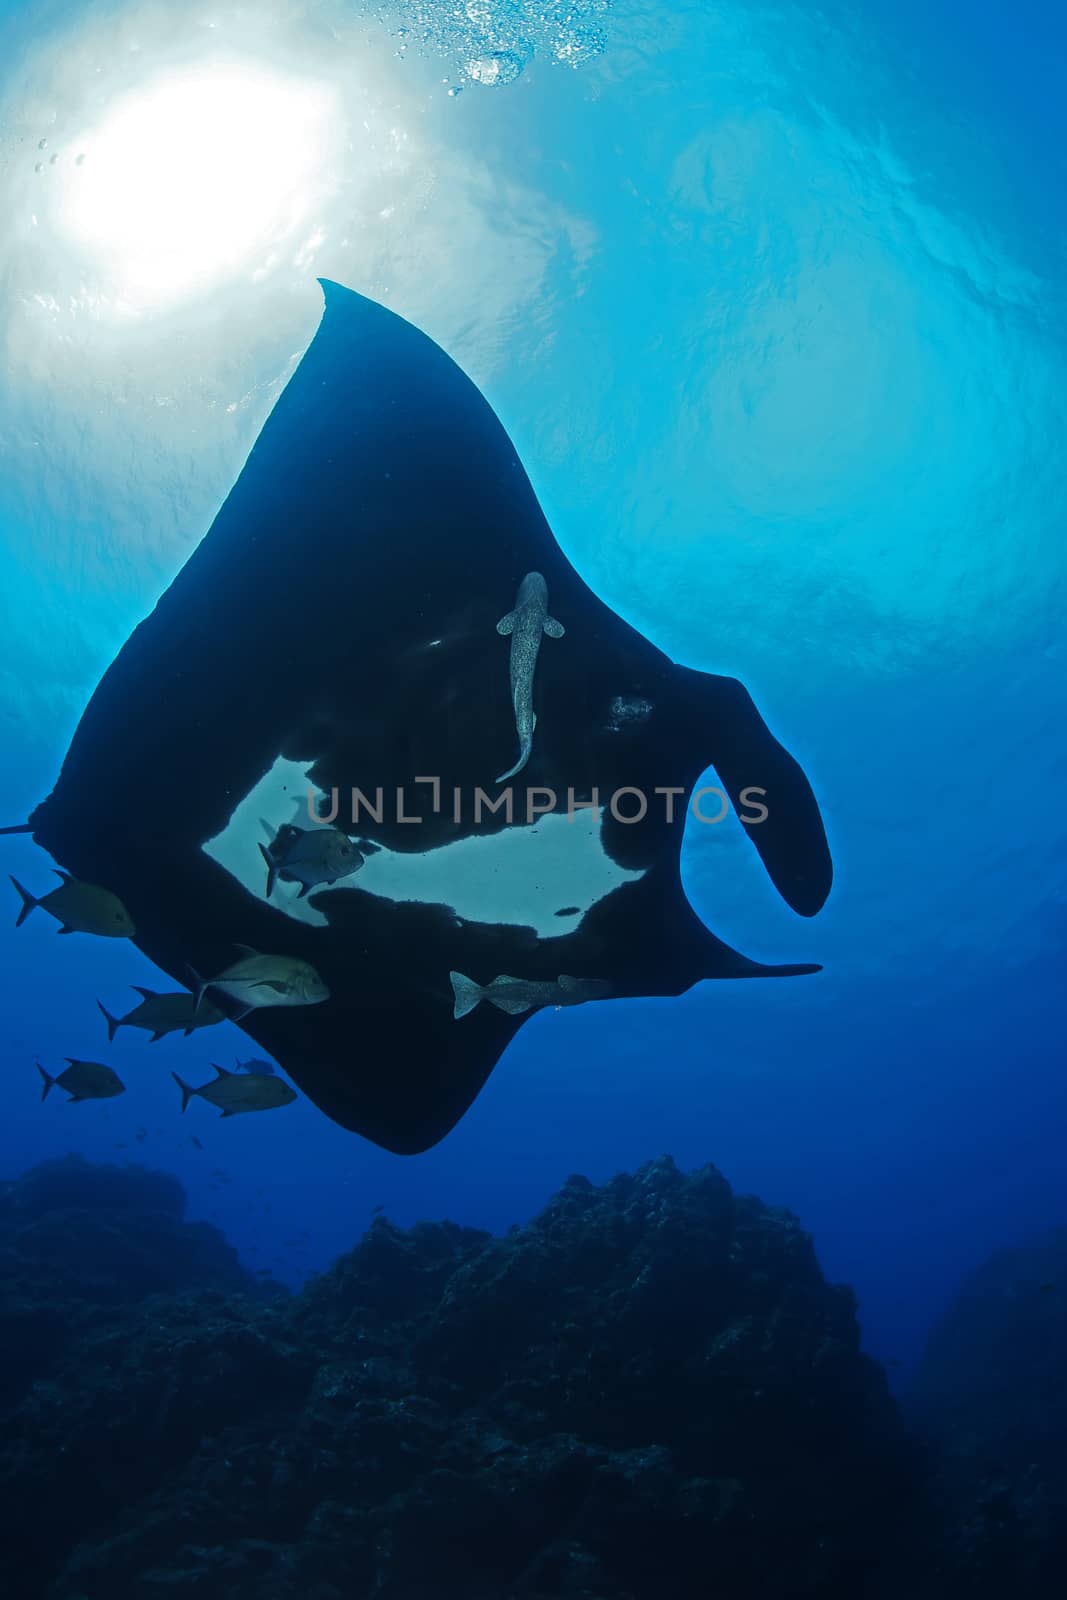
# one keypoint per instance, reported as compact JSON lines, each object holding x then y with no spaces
{"x":991,"y":1394}
{"x":649,"y":1390}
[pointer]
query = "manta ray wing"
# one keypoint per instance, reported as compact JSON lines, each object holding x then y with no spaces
{"x":340,"y":619}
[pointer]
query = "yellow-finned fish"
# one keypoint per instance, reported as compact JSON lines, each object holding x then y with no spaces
{"x":79,"y":908}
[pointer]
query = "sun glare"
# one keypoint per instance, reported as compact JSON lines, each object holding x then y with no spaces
{"x":198,"y":177}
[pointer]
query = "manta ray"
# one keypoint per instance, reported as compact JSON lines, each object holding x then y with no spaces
{"x":332,"y":646}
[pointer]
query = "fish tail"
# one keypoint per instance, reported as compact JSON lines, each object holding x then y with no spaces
{"x":467,"y":994}
{"x":187,"y":1093}
{"x":19,"y":827}
{"x":199,"y":987}
{"x":272,"y":870}
{"x":524,"y":755}
{"x":28,"y":903}
{"x":113,"y":1024}
{"x":47,"y":1078}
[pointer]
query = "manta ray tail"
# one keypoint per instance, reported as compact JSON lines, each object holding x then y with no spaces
{"x":20,"y":827}
{"x":524,"y":756}
{"x":467,"y":994}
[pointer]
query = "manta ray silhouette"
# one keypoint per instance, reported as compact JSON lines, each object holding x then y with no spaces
{"x":337,"y":629}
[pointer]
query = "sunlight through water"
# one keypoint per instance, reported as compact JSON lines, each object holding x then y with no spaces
{"x":195,"y":177}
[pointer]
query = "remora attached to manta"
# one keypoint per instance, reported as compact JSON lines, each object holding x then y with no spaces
{"x":383,"y":460}
{"x":526,"y":624}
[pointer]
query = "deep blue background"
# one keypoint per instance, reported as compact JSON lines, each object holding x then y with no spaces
{"x":772,"y":304}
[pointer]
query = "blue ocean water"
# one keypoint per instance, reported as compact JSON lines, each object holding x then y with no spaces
{"x":770,"y":301}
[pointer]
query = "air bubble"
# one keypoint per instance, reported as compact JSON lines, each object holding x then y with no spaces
{"x":502,"y":66}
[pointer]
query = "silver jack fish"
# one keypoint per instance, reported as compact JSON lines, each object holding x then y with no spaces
{"x":83,"y":1080}
{"x":256,"y":1066}
{"x":526,"y":624}
{"x":515,"y":995}
{"x":310,"y":856}
{"x":236,"y":1092}
{"x":257,"y":981}
{"x":159,"y":1014}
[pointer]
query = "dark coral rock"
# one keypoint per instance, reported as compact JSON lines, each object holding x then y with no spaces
{"x":649,"y":1390}
{"x":991,"y":1391}
{"x":78,"y":1239}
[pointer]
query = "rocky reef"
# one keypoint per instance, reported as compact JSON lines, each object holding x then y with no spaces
{"x":650,"y":1390}
{"x":991,"y":1394}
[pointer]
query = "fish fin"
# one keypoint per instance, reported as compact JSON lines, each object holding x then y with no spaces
{"x":73,"y":1100}
{"x":65,"y":928}
{"x":269,"y":983}
{"x":269,"y":829}
{"x":524,"y":756}
{"x":513,"y":1007}
{"x":47,"y":1078}
{"x":199,"y":986}
{"x":227,"y":1113}
{"x":113,"y":1024}
{"x":64,"y":876}
{"x":241,"y":1015}
{"x":467,"y":994}
{"x":223,"y":1072}
{"x":506,"y":624}
{"x":187,"y":1093}
{"x":304,"y":887}
{"x":19,"y":827}
{"x":272,"y":870}
{"x":146,"y":994}
{"x":554,"y":629}
{"x":28,"y":903}
{"x":367,"y":846}
{"x":245,"y":949}
{"x":162,"y":1035}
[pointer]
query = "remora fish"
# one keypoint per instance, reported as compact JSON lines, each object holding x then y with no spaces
{"x":234,"y":1093}
{"x":310,"y":856}
{"x":526,"y":624}
{"x":160,"y":1014}
{"x":258,"y":980}
{"x":79,"y":908}
{"x":515,"y":995}
{"x":83,"y":1080}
